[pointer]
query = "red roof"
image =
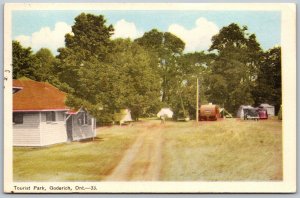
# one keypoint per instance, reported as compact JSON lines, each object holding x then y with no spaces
{"x":37,"y":96}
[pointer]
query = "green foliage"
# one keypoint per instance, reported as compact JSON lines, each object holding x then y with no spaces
{"x":166,"y":49}
{"x":137,"y":86}
{"x":190,"y":67}
{"x":280,"y":113}
{"x":234,"y":71}
{"x":268,"y":84}
{"x":101,"y":72}
{"x":90,"y":36}
{"x":44,"y":63}
{"x":23,"y":61}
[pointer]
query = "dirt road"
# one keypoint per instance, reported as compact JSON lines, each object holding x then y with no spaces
{"x":142,"y":161}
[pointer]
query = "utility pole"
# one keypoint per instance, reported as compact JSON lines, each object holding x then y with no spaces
{"x":197,"y":102}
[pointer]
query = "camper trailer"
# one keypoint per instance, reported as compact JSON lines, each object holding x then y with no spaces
{"x":209,"y":112}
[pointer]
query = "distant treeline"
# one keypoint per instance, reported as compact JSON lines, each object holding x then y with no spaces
{"x":104,"y":74}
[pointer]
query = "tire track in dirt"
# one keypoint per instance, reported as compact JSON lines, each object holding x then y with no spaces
{"x":142,"y":161}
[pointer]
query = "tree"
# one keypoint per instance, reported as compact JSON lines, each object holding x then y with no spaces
{"x":22,"y":61}
{"x":83,"y":64}
{"x":91,"y":36}
{"x":165,"y":48}
{"x":267,"y":88}
{"x":191,"y":66}
{"x":89,"y":40}
{"x":106,"y":74}
{"x":44,"y":63}
{"x":137,"y":86}
{"x":234,"y":71}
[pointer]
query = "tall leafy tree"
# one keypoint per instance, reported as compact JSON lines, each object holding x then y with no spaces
{"x":106,"y":74}
{"x":90,"y":39}
{"x":23,"y":61}
{"x":165,"y":49}
{"x":268,"y":88}
{"x":83,"y":62}
{"x":191,"y":66}
{"x":44,"y":65}
{"x":137,"y":86}
{"x":234,"y":70}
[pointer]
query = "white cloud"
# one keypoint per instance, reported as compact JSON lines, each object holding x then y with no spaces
{"x":24,"y":40}
{"x":124,"y":29}
{"x":197,"y":38}
{"x":46,"y":38}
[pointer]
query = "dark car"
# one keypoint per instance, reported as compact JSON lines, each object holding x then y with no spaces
{"x":251,"y":114}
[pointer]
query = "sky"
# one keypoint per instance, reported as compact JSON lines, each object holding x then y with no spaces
{"x":46,"y":28}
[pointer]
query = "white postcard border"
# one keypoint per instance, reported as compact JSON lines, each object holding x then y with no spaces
{"x":288,"y":43}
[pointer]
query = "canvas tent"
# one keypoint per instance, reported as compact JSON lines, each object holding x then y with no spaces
{"x":165,"y":112}
{"x":240,"y":112}
{"x":224,"y":113}
{"x":270,"y":109}
{"x":122,"y":116}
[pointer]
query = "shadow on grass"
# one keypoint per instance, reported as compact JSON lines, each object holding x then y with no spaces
{"x":91,"y":140}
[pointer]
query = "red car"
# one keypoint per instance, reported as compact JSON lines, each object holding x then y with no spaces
{"x":263,"y":113}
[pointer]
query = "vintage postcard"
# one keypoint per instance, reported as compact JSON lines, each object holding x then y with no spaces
{"x":152,"y":98}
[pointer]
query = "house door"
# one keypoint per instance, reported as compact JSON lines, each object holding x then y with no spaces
{"x":70,"y":128}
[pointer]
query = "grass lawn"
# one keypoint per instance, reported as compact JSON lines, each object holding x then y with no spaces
{"x":75,"y":161}
{"x":225,"y":150}
{"x":213,"y":151}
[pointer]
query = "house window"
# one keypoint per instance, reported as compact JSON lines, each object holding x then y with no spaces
{"x":50,"y":116}
{"x":18,"y":118}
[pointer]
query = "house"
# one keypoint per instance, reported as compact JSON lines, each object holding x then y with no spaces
{"x":41,"y":117}
{"x":270,"y":109}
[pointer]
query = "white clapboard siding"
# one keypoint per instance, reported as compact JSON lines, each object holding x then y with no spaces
{"x":53,"y":132}
{"x":28,"y":133}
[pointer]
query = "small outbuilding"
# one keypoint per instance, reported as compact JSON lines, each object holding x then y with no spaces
{"x":41,"y":117}
{"x":270,"y":109}
{"x":80,"y":125}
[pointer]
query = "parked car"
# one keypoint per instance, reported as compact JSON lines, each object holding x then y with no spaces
{"x":263,"y":113}
{"x":251,"y":114}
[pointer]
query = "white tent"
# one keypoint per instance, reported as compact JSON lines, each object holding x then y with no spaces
{"x":240,"y":112}
{"x":126,"y":117}
{"x":122,"y":116}
{"x":166,"y":112}
{"x":270,"y":109}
